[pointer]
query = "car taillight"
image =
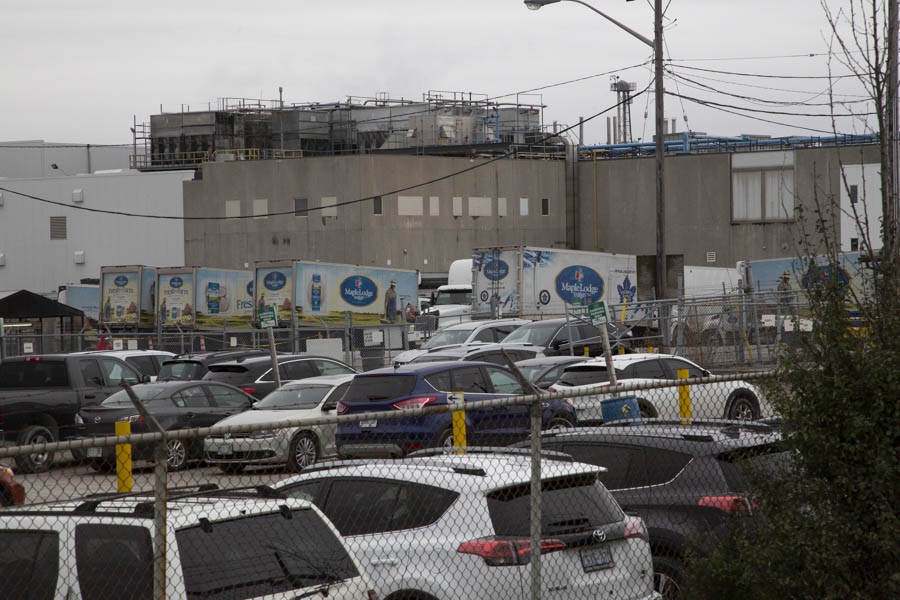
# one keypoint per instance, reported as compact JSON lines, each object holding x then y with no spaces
{"x":135,"y":419}
{"x":341,"y":408}
{"x":732,"y":504}
{"x":34,"y":359}
{"x":420,"y":402}
{"x":372,"y":595}
{"x":249,"y":390}
{"x":635,"y":528}
{"x":504,"y":552}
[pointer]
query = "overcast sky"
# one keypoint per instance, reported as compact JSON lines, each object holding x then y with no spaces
{"x":82,"y":71}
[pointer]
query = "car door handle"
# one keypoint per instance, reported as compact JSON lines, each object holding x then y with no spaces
{"x":385,"y":562}
{"x":190,"y":415}
{"x":90,"y":396}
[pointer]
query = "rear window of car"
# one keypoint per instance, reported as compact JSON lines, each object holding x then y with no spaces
{"x":227,"y":368}
{"x":40,"y":373}
{"x":569,"y":502}
{"x":181,"y":371}
{"x":742,"y":467}
{"x":275,"y":554}
{"x":104,"y":552}
{"x":29,"y":562}
{"x":375,"y":388}
{"x":586,"y":375}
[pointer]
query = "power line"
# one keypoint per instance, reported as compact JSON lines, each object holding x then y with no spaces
{"x":764,"y":76}
{"x":771,"y":112}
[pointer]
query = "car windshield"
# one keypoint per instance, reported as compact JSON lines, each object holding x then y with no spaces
{"x":453,"y":297}
{"x":538,"y":334}
{"x":447,"y":337}
{"x":143,"y":392}
{"x":532,"y":373}
{"x":294,"y":397}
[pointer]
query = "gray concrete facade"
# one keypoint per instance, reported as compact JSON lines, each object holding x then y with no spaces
{"x":423,"y":226}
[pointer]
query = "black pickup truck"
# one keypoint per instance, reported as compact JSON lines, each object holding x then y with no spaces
{"x":40,"y":396}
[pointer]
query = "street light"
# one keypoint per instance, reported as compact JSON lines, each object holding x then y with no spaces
{"x":656,"y":44}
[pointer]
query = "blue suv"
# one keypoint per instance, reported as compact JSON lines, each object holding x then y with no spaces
{"x":422,"y":385}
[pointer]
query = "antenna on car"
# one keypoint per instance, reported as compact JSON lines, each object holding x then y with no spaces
{"x":396,"y":364}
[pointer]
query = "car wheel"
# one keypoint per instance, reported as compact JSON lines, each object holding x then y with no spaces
{"x":304,"y":451}
{"x":38,"y":462}
{"x":559,"y":423}
{"x":410,"y":595}
{"x":445,"y":440}
{"x":743,"y":408}
{"x":177,"y":457}
{"x":102,"y":466}
{"x":232,"y":468}
{"x":646,"y":409}
{"x":668,"y":578}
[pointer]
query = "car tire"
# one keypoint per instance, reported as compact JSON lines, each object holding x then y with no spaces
{"x":743,"y":408}
{"x":410,"y":595}
{"x":669,"y":578}
{"x":38,"y":462}
{"x":176,"y":455}
{"x":445,"y":440}
{"x":102,"y":466}
{"x":559,"y":422}
{"x":304,"y":452}
{"x":232,"y":468}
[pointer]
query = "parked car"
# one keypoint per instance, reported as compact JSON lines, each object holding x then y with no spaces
{"x":40,"y":396}
{"x":492,"y":353}
{"x":572,"y":336}
{"x":468,"y":332}
{"x":11,"y":491}
{"x":543,"y":371}
{"x":175,"y":405}
{"x":687,"y":482}
{"x":146,"y":362}
{"x":217,"y":545}
{"x":296,"y":447}
{"x":458,"y":526}
{"x":254,"y":374}
{"x":714,"y":400}
{"x":187,"y":367}
{"x":429,"y":384}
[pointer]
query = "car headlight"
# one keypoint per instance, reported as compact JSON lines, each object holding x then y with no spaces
{"x":78,"y":419}
{"x":262,"y":433}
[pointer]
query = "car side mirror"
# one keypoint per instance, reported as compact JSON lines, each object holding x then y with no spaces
{"x":329,"y":407}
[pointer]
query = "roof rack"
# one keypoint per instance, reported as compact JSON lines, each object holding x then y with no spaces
{"x":93,"y":501}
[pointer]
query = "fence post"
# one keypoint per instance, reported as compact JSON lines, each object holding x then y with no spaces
{"x":535,"y":561}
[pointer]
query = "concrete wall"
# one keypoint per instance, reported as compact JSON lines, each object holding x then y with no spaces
{"x":617,"y":205}
{"x":32,"y":158}
{"x":35,"y":262}
{"x":399,"y":237}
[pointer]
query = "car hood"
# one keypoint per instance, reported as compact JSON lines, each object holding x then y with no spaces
{"x":252,"y":417}
{"x":409,"y":355}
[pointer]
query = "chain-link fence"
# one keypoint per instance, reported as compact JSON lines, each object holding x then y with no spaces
{"x":445,"y":482}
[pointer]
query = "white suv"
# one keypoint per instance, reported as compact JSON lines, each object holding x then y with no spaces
{"x":217,"y":546}
{"x":458,"y":334}
{"x":714,"y":400}
{"x":457,"y":526}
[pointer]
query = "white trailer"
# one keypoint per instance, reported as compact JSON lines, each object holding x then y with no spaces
{"x":540,"y":282}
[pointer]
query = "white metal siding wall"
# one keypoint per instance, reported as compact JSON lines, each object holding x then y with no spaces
{"x":36,"y":263}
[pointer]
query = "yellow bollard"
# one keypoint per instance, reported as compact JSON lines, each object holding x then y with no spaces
{"x":684,"y":399}
{"x":587,"y":351}
{"x":123,"y":458}
{"x":457,"y":401}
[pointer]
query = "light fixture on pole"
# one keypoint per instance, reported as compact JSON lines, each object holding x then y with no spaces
{"x":656,"y":44}
{"x":56,"y":167}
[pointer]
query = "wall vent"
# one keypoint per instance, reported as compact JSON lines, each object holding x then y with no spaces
{"x":710,"y":257}
{"x":58,"y":228}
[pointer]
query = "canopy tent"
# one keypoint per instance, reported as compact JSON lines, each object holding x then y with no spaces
{"x":27,"y":317}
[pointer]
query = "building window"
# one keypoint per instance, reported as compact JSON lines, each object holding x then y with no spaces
{"x":410,"y":206}
{"x":479,"y":206}
{"x":260,"y":208}
{"x":854,"y":194}
{"x":854,"y":244}
{"x":301,"y":207}
{"x":329,"y":206}
{"x":523,"y":207}
{"x":762,"y":195}
{"x":377,"y":208}
{"x":545,"y":206}
{"x":58,"y":228}
{"x":232,"y":208}
{"x":435,"y":206}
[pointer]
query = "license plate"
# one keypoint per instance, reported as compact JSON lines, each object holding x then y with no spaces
{"x":368,"y":424}
{"x":94,"y":452}
{"x":224,"y":449}
{"x":596,"y":559}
